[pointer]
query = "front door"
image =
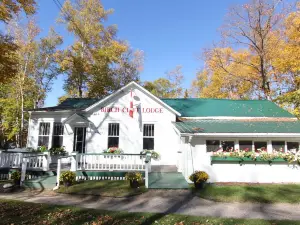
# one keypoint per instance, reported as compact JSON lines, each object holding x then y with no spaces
{"x":79,"y":139}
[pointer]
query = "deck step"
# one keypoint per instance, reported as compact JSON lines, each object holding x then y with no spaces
{"x":167,"y":180}
{"x":46,"y":182}
{"x":164,"y":168}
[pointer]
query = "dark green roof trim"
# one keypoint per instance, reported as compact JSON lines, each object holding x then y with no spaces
{"x":201,"y":107}
{"x":237,"y":126}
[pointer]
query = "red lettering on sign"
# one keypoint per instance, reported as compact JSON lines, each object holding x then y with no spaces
{"x":126,"y":110}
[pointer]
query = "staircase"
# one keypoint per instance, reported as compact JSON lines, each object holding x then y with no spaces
{"x":47,"y":180}
{"x":166,"y":177}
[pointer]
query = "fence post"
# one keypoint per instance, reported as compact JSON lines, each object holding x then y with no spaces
{"x":58,"y":171}
{"x":23,"y":171}
{"x":74,"y":161}
{"x":46,"y":161}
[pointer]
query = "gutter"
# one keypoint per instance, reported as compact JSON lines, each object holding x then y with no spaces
{"x":241,"y":135}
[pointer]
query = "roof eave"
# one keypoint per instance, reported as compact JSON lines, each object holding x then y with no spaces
{"x":242,"y":134}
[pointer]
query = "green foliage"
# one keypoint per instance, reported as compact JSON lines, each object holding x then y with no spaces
{"x":42,"y":148}
{"x":16,"y":176}
{"x":154,"y":155}
{"x":134,"y":176}
{"x":199,"y":176}
{"x":113,"y":150}
{"x":57,"y":151}
{"x":9,"y":8}
{"x":68,"y":177}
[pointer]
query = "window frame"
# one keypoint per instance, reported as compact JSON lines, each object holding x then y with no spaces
{"x":58,"y":135}
{"x":217,"y":140}
{"x":83,"y":147}
{"x":114,"y":134}
{"x":44,"y":135}
{"x":149,"y":134}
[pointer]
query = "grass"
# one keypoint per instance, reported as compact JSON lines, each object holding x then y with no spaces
{"x":17,"y":212}
{"x":268,"y":193}
{"x":108,"y":188}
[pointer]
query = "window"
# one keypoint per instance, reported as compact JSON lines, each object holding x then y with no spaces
{"x":278,"y":146}
{"x":227,"y":145}
{"x":113,"y":134}
{"x":262,"y":145}
{"x":79,"y":139}
{"x":148,"y":137}
{"x":293,"y":146}
{"x":57,"y":137}
{"x":245,"y":145}
{"x":212,"y":145}
{"x":44,"y":131}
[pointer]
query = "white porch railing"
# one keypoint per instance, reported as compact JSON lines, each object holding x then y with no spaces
{"x":108,"y":162}
{"x":13,"y":160}
{"x":122,"y":162}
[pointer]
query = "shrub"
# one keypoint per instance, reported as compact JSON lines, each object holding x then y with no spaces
{"x":67,"y":178}
{"x":134,"y":176}
{"x":58,"y":151}
{"x":16,"y":176}
{"x":199,"y":177}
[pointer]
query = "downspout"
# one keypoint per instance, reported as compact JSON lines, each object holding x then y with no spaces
{"x":190,"y":140}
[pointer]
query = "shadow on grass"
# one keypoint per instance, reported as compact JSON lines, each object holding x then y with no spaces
{"x":257,"y":193}
{"x":105,"y":188}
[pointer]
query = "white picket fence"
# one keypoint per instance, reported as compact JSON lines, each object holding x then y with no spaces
{"x":109,"y":162}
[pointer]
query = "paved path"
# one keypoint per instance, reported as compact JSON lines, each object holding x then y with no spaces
{"x":171,"y":201}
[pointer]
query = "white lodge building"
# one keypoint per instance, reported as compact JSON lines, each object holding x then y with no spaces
{"x":184,"y":132}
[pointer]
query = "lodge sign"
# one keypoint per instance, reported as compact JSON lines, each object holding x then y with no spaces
{"x":127,"y":109}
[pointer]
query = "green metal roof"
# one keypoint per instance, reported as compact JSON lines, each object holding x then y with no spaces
{"x":237,"y":126}
{"x":200,"y":107}
{"x":71,"y":104}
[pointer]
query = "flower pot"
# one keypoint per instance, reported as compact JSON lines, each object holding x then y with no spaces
{"x":67,"y":184}
{"x":17,"y":182}
{"x":199,"y":185}
{"x":134,"y":184}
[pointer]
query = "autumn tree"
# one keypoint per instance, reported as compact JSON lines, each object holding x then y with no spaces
{"x":36,"y":70}
{"x":248,"y":43}
{"x":8,"y":57}
{"x":169,"y":87}
{"x":97,"y":63}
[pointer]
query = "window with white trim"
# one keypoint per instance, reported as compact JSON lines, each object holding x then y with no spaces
{"x":245,"y":145}
{"x":278,"y":146}
{"x":260,"y":145}
{"x":58,"y":135}
{"x":227,"y":146}
{"x":44,"y":132}
{"x":148,"y":137}
{"x":212,"y":145}
{"x":293,"y":146}
{"x":113,"y":135}
{"x":79,"y":139}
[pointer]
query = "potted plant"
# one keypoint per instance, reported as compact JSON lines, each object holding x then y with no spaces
{"x":16,"y":177}
{"x":154,"y":155}
{"x":199,"y":178}
{"x":55,"y":153}
{"x":134,"y":179}
{"x":42,"y":148}
{"x":67,"y":178}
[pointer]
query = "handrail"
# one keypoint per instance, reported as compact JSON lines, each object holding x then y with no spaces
{"x":109,"y":154}
{"x":32,"y":156}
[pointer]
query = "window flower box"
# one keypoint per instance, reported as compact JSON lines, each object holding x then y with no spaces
{"x":244,"y":159}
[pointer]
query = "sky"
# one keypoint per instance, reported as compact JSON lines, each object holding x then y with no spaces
{"x":170,"y":32}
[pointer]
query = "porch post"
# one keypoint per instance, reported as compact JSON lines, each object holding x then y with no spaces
{"x":23,"y":171}
{"x":46,"y":161}
{"x":58,"y":171}
{"x":269,"y":146}
{"x":74,"y":161}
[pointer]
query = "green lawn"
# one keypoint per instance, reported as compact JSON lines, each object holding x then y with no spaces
{"x":109,"y":188}
{"x":272,"y":193}
{"x":17,"y":212}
